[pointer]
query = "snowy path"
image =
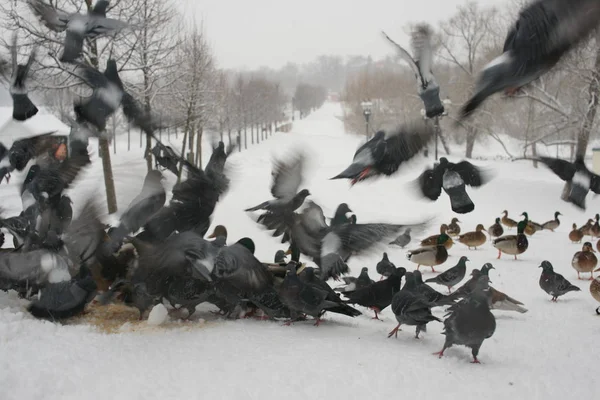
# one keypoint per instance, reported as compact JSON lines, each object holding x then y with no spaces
{"x":547,"y":353}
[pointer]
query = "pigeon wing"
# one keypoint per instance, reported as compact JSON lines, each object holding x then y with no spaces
{"x":471,"y":175}
{"x":423,"y":52}
{"x":430,"y":182}
{"x":405,"y":56}
{"x":563,"y":169}
{"x":54,"y":18}
{"x":287,"y":176}
{"x":404,"y":143}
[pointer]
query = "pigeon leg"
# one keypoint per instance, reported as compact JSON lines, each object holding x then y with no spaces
{"x":433,"y":269}
{"x":554,"y":299}
{"x":515,"y":257}
{"x":381,"y":278}
{"x":376,"y":310}
{"x":591,"y":275}
{"x":318,"y":322}
{"x":418,"y":266}
{"x":578,"y":277}
{"x":475,"y":360}
{"x":288,"y":323}
{"x":394,"y":331}
{"x":449,"y":289}
{"x":499,"y":254}
{"x":440,"y":354}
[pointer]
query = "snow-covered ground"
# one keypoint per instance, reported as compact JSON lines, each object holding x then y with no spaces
{"x":547,"y":353}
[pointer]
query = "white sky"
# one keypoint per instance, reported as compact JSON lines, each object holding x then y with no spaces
{"x":254,"y":33}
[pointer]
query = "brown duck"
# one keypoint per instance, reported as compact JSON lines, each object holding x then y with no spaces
{"x":508,"y":222}
{"x":453,"y":228}
{"x":432,"y":240}
{"x":496,"y":230}
{"x":595,"y":229}
{"x":586,"y":229}
{"x":532,"y":227}
{"x":576,"y":235}
{"x":553,"y":223}
{"x":473,"y":239}
{"x":585,"y":260}
{"x":595,"y":290}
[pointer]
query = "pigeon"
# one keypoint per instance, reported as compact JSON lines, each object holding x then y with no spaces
{"x":411,"y":309}
{"x":62,"y":300}
{"x":165,"y":157}
{"x":430,"y":294}
{"x":543,"y":33}
{"x":308,"y":276}
{"x":79,"y":27}
{"x":553,"y":283}
{"x":23,"y":107}
{"x":287,"y":178}
{"x":470,"y":322}
{"x":279,"y":257}
{"x":403,"y":239}
{"x":453,"y":276}
{"x":353,"y":284}
{"x":378,"y":295}
{"x":24,"y":150}
{"x":469,"y":285}
{"x":421,"y":64}
{"x":579,"y":180}
{"x":301,"y":297}
{"x":385,"y":152}
{"x":452,"y":178}
{"x":385,"y":267}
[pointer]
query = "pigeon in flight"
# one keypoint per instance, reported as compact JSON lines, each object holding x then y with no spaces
{"x":544,"y":31}
{"x":421,"y":64}
{"x":23,"y":107}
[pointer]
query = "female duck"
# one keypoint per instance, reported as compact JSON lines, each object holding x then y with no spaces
{"x":508,"y":222}
{"x":585,"y":260}
{"x":496,"y":230}
{"x":473,"y":239}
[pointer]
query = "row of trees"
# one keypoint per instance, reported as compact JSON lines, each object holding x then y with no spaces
{"x":165,"y":62}
{"x":558,"y":108}
{"x":308,"y":98}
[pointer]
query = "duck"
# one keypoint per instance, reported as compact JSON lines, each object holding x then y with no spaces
{"x":586,"y":229}
{"x":595,"y":229}
{"x":453,"y":228}
{"x":532,"y":227}
{"x":508,"y":222}
{"x":595,"y":290}
{"x":598,"y":246}
{"x":430,"y":256}
{"x":219,"y":231}
{"x":553,"y":223}
{"x":432,"y":240}
{"x":495,"y":230}
{"x":576,"y":235}
{"x":585,"y":260}
{"x":513,"y":244}
{"x":473,"y":239}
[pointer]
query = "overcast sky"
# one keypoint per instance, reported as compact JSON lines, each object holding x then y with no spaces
{"x":253,"y":33}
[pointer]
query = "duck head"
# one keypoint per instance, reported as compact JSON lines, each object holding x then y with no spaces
{"x":587,"y":246}
{"x":454,"y":220}
{"x":479,"y":228}
{"x":219,"y":231}
{"x":556,"y":214}
{"x":442,"y":239}
{"x":247,"y":243}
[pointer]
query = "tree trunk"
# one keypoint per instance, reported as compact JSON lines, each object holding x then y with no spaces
{"x":534,"y":153}
{"x":252,"y":133}
{"x":185,"y":134}
{"x":239,"y":139}
{"x":229,"y":137}
{"x":245,"y":137}
{"x":471,"y":136}
{"x":593,"y":92}
{"x":109,"y":183}
{"x":444,"y":143}
{"x":199,"y":147}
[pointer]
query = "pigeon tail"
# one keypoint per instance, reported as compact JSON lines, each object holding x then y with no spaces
{"x":509,"y":306}
{"x":454,"y":186}
{"x":261,"y":206}
{"x":345,"y":309}
{"x":352,"y":171}
{"x":579,"y":189}
{"x":23,"y":108}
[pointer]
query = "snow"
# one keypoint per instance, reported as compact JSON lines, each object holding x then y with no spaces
{"x":546,"y":353}
{"x":158,"y":315}
{"x":42,"y":122}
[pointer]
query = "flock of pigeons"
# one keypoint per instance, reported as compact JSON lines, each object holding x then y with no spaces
{"x":60,"y":262}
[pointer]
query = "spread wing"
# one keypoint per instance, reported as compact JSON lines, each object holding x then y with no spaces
{"x":423,"y":52}
{"x":287,"y":176}
{"x":563,"y":169}
{"x":471,"y":175}
{"x":403,"y":144}
{"x":430,"y":182}
{"x":405,"y":56}
{"x":54,"y":18}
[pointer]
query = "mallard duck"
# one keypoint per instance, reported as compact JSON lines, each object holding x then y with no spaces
{"x":576,"y":235}
{"x":586,"y":229}
{"x":431,"y":255}
{"x":553,"y":223}
{"x":508,"y":222}
{"x":453,"y":228}
{"x":219,"y":231}
{"x":473,"y":239}
{"x":585,"y":260}
{"x":495,"y":230}
{"x":595,"y":229}
{"x":532,"y":227}
{"x":513,"y":244}
{"x":432,"y":240}
{"x":595,"y":290}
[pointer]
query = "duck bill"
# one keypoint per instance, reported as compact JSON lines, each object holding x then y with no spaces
{"x":211,"y":236}
{"x":288,"y":251}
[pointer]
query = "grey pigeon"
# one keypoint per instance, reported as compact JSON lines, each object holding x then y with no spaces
{"x":92,"y":25}
{"x":63,"y":300}
{"x":553,"y":283}
{"x":385,"y":152}
{"x":421,"y":64}
{"x":385,"y":267}
{"x":23,"y":107}
{"x":469,"y":285}
{"x":430,"y":294}
{"x":378,"y":295}
{"x":470,"y":322}
{"x":287,"y":178}
{"x":452,"y":178}
{"x":403,"y":239}
{"x":279,"y":257}
{"x":411,"y":309}
{"x":352,"y":284}
{"x":453,"y":276}
{"x":543,"y":33}
{"x":308,"y":276}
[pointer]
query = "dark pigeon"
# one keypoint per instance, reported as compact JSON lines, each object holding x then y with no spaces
{"x":411,"y":309}
{"x":58,"y":301}
{"x":378,"y":296}
{"x":165,"y":157}
{"x":452,"y":178}
{"x":385,"y":267}
{"x":469,"y":285}
{"x":553,"y":283}
{"x":470,"y":322}
{"x":421,"y":64}
{"x":23,"y":107}
{"x":385,"y":152}
{"x":280,"y":257}
{"x":403,"y":239}
{"x":543,"y":33}
{"x":430,"y":294}
{"x":308,"y":276}
{"x":453,"y":276}
{"x":79,"y":27}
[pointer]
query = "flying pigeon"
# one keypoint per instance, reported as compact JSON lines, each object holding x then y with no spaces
{"x":23,"y":108}
{"x":452,"y":178}
{"x":384,"y":153}
{"x":353,"y":284}
{"x":92,"y":25}
{"x":470,"y":321}
{"x":579,"y":180}
{"x":553,"y":283}
{"x":165,"y":157}
{"x":544,"y":31}
{"x":421,"y":64}
{"x":453,"y":276}
{"x":411,"y":309}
